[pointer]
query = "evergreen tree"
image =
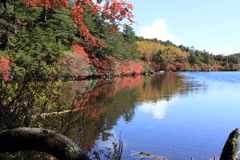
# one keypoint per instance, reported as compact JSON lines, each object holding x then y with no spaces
{"x":207,"y":58}
{"x":36,"y":54}
{"x":157,"y":58}
{"x":193,"y":59}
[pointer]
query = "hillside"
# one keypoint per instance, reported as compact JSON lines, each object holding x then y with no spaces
{"x":42,"y":42}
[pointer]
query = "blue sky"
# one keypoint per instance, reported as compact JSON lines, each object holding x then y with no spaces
{"x":213,"y":25}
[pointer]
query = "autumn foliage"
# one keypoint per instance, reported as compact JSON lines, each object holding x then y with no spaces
{"x":113,"y":10}
{"x":164,"y":55}
{"x":110,"y":66}
{"x":102,"y":66}
{"x":5,"y":69}
{"x":77,"y":63}
{"x":132,"y":68}
{"x":149,"y":48}
{"x":95,"y":51}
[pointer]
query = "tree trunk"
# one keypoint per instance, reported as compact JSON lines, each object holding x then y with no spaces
{"x":230,"y":148}
{"x":44,"y":140}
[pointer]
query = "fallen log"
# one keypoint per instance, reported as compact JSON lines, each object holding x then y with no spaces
{"x":43,"y":140}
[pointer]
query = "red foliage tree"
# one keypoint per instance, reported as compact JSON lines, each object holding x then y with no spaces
{"x":205,"y":66}
{"x":226,"y":67}
{"x":77,"y":63}
{"x":131,"y":68}
{"x":195,"y":66}
{"x":179,"y":66}
{"x":113,"y":10}
{"x":182,"y":66}
{"x":82,"y":61}
{"x":102,"y":66}
{"x":79,"y":51}
{"x":90,"y":45}
{"x":172,"y":67}
{"x":236,"y":66}
{"x":5,"y":69}
{"x":215,"y":67}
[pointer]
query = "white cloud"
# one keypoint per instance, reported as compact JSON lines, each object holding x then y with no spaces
{"x":158,"y":109}
{"x":159,"y":30}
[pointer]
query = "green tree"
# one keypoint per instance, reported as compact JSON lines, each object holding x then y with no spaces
{"x":157,"y":57}
{"x":193,"y":59}
{"x":207,"y":58}
{"x":119,"y":45}
{"x":130,"y":40}
{"x":36,"y":54}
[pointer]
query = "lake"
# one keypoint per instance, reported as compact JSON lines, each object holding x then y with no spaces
{"x":173,"y":115}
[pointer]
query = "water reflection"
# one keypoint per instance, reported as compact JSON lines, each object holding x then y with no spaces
{"x":171,"y":115}
{"x":111,"y":100}
{"x":103,"y":102}
{"x":175,"y":115}
{"x":157,"y":109}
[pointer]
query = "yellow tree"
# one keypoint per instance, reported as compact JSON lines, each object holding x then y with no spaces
{"x":168,"y":57}
{"x":149,"y":48}
{"x":175,"y":49}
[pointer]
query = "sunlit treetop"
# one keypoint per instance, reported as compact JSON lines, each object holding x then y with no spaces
{"x":112,"y":10}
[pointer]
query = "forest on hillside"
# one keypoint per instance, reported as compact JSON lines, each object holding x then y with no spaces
{"x":43,"y":42}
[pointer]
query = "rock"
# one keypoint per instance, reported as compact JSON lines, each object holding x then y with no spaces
{"x":230,"y":148}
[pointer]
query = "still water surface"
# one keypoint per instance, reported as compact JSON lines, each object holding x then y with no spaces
{"x":173,"y":115}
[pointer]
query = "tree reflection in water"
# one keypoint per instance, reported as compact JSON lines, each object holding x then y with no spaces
{"x":113,"y":99}
{"x":86,"y":111}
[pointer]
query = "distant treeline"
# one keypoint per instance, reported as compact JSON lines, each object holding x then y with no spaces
{"x":168,"y":56}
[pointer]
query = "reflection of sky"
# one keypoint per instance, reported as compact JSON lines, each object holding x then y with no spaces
{"x":157,"y":109}
{"x":196,"y":125}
